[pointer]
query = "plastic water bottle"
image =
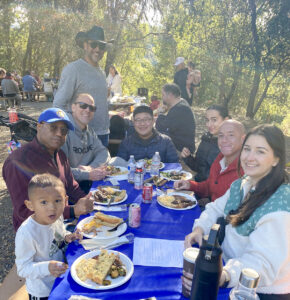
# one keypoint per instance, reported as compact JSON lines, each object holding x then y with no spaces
{"x":246,"y":289}
{"x":155,"y":164}
{"x":131,"y":169}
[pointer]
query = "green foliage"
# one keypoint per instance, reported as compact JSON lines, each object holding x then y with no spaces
{"x":216,"y":35}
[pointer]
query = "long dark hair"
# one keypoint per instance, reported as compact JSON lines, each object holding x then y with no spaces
{"x":222,"y":110}
{"x":267,"y":186}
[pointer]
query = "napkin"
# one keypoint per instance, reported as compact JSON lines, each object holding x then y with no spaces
{"x":79,"y":297}
{"x":90,"y":244}
{"x":111,"y":208}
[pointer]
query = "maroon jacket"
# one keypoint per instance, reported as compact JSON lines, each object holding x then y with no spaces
{"x":218,"y":182}
{"x":24,"y":163}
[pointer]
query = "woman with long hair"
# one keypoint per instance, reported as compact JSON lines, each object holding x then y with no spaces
{"x":114,"y":82}
{"x":256,"y":209}
{"x":208,"y":149}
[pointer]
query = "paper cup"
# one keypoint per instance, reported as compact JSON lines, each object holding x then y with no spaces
{"x":189,"y":257}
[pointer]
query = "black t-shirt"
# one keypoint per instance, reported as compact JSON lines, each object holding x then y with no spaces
{"x":179,"y":124}
{"x":180,"y":78}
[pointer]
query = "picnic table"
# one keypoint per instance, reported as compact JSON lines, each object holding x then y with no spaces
{"x":157,"y":222}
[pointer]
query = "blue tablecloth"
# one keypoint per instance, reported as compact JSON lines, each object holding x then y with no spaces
{"x":156,"y":222}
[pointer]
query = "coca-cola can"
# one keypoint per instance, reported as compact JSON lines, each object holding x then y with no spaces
{"x":147,"y":193}
{"x":134,"y":215}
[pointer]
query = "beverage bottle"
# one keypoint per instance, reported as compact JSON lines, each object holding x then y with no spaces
{"x":155,"y":164}
{"x":246,"y":289}
{"x":138,"y":177}
{"x":131,"y":169}
{"x":13,"y":117}
{"x":208,"y":268}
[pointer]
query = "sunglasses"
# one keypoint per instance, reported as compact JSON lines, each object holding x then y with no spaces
{"x":98,"y":44}
{"x":83,"y":105}
{"x":54,"y":128}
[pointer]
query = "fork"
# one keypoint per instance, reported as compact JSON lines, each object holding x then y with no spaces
{"x":117,"y":226}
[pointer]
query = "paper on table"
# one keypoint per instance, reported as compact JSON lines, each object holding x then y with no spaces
{"x":158,"y":253}
{"x":111,"y":208}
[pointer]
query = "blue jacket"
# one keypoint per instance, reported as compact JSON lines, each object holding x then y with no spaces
{"x":134,"y":145}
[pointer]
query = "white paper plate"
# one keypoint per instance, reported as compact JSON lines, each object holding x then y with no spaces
{"x":189,"y":197}
{"x":162,"y":165}
{"x":115,"y":282}
{"x":112,"y":203}
{"x":104,"y":233}
{"x":119,"y":177}
{"x":188,"y":175}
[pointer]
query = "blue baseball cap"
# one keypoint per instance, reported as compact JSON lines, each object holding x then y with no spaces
{"x":54,"y":114}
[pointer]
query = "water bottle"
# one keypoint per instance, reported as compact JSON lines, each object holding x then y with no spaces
{"x":131,"y":169}
{"x":246,"y":289}
{"x":208,"y":268}
{"x":155,"y":164}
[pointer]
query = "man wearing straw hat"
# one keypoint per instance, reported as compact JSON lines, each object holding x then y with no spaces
{"x":85,"y":76}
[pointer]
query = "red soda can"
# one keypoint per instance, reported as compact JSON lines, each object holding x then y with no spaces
{"x":147,"y":193}
{"x":134,"y":215}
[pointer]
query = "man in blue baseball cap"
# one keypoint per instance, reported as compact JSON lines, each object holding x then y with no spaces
{"x":43,"y":155}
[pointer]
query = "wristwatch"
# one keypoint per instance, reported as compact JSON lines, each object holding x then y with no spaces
{"x":227,"y":279}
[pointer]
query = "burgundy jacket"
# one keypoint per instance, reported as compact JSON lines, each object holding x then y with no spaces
{"x":218,"y":182}
{"x":24,"y":163}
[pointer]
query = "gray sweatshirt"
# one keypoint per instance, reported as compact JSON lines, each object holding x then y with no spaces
{"x":80,"y":77}
{"x":9,"y":87}
{"x":83,"y":147}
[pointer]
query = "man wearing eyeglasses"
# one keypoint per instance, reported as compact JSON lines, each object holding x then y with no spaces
{"x":85,"y":76}
{"x":84,"y":150}
{"x":145,"y":141}
{"x":43,"y":155}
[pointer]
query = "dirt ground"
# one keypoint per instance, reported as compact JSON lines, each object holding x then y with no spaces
{"x":6,"y":228}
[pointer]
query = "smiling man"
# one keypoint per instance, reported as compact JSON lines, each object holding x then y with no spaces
{"x":145,"y":141}
{"x":83,"y":148}
{"x":43,"y":155}
{"x":85,"y":76}
{"x":224,"y":169}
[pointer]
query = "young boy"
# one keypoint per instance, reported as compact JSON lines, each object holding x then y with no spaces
{"x":40,"y":239}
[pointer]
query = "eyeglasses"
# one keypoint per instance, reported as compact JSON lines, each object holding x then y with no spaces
{"x":98,"y":44}
{"x":146,"y":121}
{"x":54,"y":128}
{"x":83,"y":105}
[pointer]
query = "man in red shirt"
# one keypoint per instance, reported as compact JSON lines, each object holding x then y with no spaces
{"x":43,"y":155}
{"x":224,"y":169}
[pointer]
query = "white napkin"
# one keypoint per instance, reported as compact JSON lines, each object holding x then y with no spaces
{"x":90,"y":244}
{"x":111,"y":208}
{"x":80,"y":297}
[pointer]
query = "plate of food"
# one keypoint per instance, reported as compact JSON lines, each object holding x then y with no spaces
{"x":177,"y":201}
{"x":148,"y":162}
{"x":125,"y":100}
{"x":117,"y":172}
{"x":175,"y":175}
{"x":102,"y":269}
{"x":105,"y":195}
{"x":97,"y":226}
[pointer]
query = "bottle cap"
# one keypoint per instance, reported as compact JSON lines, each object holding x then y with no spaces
{"x":249,"y":278}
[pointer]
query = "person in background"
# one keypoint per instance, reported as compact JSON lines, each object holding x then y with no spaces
{"x":48,"y":87}
{"x":256,"y":210}
{"x":192,"y":81}
{"x":43,"y":155}
{"x":208,"y":149}
{"x":10,"y":89}
{"x":29,"y":86}
{"x":154,"y":102}
{"x":180,"y":78}
{"x":114,"y":82}
{"x":40,"y":240}
{"x":179,"y":122}
{"x":145,"y":141}
{"x":2,"y":76}
{"x":85,"y":76}
{"x":85,"y":152}
{"x":224,"y":168}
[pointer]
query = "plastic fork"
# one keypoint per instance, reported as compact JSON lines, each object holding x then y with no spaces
{"x":116,"y":227}
{"x":125,"y":239}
